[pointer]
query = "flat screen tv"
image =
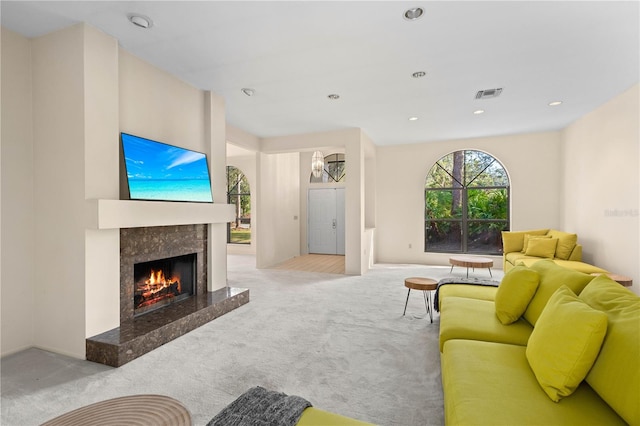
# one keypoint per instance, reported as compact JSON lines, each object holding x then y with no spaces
{"x":157,"y":171}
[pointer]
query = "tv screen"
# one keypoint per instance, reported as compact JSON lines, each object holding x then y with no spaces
{"x":157,"y":171}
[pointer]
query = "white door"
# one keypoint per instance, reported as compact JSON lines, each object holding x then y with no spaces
{"x":326,"y":221}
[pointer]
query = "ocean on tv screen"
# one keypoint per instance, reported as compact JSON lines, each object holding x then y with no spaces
{"x":171,"y":190}
{"x":158,"y":171}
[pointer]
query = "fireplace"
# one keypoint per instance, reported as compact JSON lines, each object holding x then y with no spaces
{"x":163,"y":292}
{"x":158,"y":283}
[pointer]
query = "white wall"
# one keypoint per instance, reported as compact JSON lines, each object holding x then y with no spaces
{"x":59,"y":177}
{"x":17,"y":213}
{"x":601,"y":175}
{"x":277,"y":227}
{"x":215,"y":137}
{"x":101,"y":163}
{"x":532,"y":161}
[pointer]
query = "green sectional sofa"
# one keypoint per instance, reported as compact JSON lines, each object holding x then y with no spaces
{"x":549,"y":346}
{"x":527,"y":247}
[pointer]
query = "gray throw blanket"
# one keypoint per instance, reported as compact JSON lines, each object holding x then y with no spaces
{"x":453,"y":280}
{"x":261,"y":407}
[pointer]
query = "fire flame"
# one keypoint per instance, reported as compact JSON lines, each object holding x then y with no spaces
{"x":157,"y":282}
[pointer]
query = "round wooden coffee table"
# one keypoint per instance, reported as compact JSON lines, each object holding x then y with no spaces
{"x":426,"y":285}
{"x":471,"y":262}
{"x":154,"y":410}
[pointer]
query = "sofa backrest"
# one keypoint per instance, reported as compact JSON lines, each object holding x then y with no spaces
{"x":552,"y":277}
{"x":615,"y":375}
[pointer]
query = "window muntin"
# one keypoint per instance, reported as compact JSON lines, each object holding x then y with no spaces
{"x":239,"y":194}
{"x":334,"y":170}
{"x":466,"y":204}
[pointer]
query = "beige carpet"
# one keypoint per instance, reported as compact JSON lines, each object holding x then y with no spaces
{"x":339,"y":341}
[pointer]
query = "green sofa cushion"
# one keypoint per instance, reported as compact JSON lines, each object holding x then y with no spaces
{"x":528,"y":237}
{"x":565,"y":342}
{"x":579,"y":266}
{"x":316,"y":417}
{"x":566,"y":243}
{"x":515,"y":292}
{"x":542,"y":247}
{"x":616,"y":373}
{"x":552,"y":277}
{"x":481,"y":292}
{"x":464,"y":318}
{"x":490,"y":383}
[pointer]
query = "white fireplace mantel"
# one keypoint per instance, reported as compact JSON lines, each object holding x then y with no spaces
{"x":114,"y":214}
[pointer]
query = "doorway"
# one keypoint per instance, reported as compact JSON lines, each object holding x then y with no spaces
{"x":326,"y":221}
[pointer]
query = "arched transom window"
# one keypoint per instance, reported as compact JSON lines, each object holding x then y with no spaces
{"x":334,"y":170}
{"x":466,"y":204}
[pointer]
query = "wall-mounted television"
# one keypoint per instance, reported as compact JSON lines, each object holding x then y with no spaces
{"x":158,"y":171}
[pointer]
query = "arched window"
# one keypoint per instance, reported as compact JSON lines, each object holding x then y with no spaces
{"x":238,"y":194}
{"x":466,"y":204}
{"x":334,"y":170}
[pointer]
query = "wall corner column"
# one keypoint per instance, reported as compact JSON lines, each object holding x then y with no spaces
{"x":215,"y":138}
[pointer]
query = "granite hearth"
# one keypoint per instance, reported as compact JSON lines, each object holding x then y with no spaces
{"x":140,"y":334}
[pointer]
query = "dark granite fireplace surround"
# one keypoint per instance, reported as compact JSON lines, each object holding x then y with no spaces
{"x":138,"y":335}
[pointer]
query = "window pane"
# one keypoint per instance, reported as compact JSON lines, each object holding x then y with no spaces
{"x":487,"y":203}
{"x":444,"y":204}
{"x":443,"y":236}
{"x":485,"y":237}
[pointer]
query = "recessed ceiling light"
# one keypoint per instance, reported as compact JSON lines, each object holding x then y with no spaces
{"x":333,"y":96}
{"x":555,"y":103}
{"x":248,"y":92}
{"x":413,"y":118}
{"x":418,"y":74}
{"x":478,"y":111}
{"x":413,"y":13}
{"x":141,"y":21}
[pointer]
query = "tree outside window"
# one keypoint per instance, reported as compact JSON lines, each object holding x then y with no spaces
{"x":466,"y":204}
{"x":238,"y":194}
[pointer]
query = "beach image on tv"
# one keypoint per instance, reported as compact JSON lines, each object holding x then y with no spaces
{"x":157,"y":171}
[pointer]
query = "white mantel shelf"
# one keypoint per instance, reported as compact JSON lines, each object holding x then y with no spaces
{"x":114,"y":214}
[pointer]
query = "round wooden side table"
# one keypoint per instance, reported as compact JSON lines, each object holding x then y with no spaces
{"x":427,"y":285}
{"x":620,"y":279}
{"x":471,"y":262}
{"x":157,"y":410}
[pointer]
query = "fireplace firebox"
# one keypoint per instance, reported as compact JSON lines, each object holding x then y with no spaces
{"x":158,"y":283}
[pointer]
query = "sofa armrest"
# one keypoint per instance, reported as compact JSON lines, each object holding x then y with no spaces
{"x":576,"y":254}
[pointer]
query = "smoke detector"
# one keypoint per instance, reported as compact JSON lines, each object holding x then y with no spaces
{"x":488,"y":93}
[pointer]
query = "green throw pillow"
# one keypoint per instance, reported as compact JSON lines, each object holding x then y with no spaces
{"x":542,"y":247}
{"x":528,"y":237}
{"x":515,"y":292}
{"x":565,"y":343}
{"x":566,"y":243}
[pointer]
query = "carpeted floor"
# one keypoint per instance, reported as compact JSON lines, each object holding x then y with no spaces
{"x":339,"y":341}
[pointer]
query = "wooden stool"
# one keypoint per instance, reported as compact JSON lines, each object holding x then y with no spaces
{"x":424,"y":284}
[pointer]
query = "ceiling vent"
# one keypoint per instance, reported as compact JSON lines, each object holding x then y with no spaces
{"x":488,"y":93}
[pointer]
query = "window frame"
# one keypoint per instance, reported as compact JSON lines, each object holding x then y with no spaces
{"x":463,"y":221}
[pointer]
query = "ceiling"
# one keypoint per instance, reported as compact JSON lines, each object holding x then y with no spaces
{"x":295,"y":53}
